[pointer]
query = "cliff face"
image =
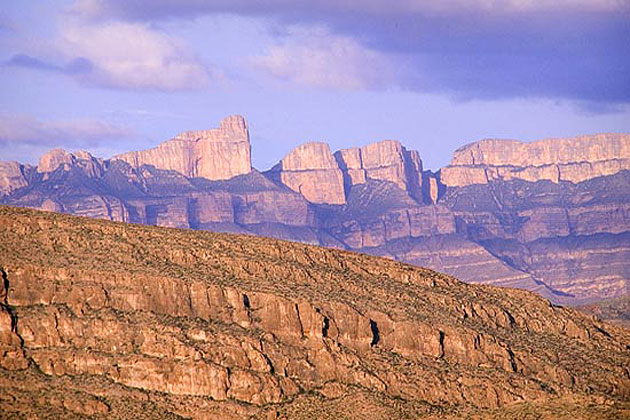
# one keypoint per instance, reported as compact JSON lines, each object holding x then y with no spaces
{"x":573,"y":159}
{"x":110,"y":320}
{"x":11,"y":177}
{"x":221,"y":153}
{"x":565,"y":240}
{"x":387,"y":160}
{"x":311,"y":170}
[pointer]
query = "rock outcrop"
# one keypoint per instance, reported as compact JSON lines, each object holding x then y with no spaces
{"x":81,"y":160}
{"x":110,"y":320}
{"x":573,"y":159}
{"x":386,"y":160}
{"x":311,"y":170}
{"x":217,"y":154}
{"x":11,"y":177}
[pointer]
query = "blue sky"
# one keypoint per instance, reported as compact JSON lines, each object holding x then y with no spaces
{"x":117,"y":75}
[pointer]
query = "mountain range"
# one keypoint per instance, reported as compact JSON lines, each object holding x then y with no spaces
{"x":550,"y":216}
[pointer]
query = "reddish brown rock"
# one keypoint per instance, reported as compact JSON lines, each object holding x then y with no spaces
{"x":155,"y":322}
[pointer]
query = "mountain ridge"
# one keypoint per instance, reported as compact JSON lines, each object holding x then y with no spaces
{"x":110,"y":320}
{"x":512,"y":226}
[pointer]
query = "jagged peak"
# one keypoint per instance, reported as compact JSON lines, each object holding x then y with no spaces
{"x":231,"y":128}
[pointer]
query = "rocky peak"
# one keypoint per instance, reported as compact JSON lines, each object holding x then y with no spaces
{"x":216,"y":154}
{"x":231,"y":129}
{"x":309,"y":156}
{"x":83,"y":160}
{"x":573,"y":159}
{"x":311,"y":170}
{"x":53,"y":159}
{"x":386,"y":160}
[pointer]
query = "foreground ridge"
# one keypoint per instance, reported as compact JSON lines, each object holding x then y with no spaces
{"x":112,"y":320}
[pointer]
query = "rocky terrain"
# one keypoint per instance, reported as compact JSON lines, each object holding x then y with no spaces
{"x":100,"y":319}
{"x":616,"y":311}
{"x":551,"y":216}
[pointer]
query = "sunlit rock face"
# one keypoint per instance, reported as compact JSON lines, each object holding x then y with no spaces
{"x":81,"y":160}
{"x":111,"y":320}
{"x":216,"y":154}
{"x":573,"y":159}
{"x":386,"y":160}
{"x":311,"y":170}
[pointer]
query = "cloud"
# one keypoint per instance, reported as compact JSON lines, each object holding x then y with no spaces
{"x":26,"y":130}
{"x":315,"y":57}
{"x":119,"y":55}
{"x":75,"y":66}
{"x":563,"y":49}
{"x":131,"y":56}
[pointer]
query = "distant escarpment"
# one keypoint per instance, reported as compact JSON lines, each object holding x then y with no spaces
{"x":111,"y":320}
{"x":573,"y":159}
{"x":551,"y":216}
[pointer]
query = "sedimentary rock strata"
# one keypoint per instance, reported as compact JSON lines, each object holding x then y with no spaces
{"x":107,"y":320}
{"x":504,"y":212}
{"x":573,"y":159}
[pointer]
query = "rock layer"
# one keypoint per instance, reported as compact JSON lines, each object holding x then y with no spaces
{"x":221,"y":153}
{"x":573,"y":159}
{"x":136,"y":321}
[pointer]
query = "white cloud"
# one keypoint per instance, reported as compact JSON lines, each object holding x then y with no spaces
{"x":313,"y":56}
{"x":131,"y":56}
{"x":24,"y":129}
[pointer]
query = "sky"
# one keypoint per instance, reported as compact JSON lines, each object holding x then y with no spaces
{"x":116,"y":75}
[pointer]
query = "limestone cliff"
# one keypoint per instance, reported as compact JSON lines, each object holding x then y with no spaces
{"x":109,"y":320}
{"x":573,"y":159}
{"x":311,"y":170}
{"x":386,"y":160}
{"x":220,"y":153}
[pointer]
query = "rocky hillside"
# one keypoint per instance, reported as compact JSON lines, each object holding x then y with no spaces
{"x":551,"y":216}
{"x":112,"y":320}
